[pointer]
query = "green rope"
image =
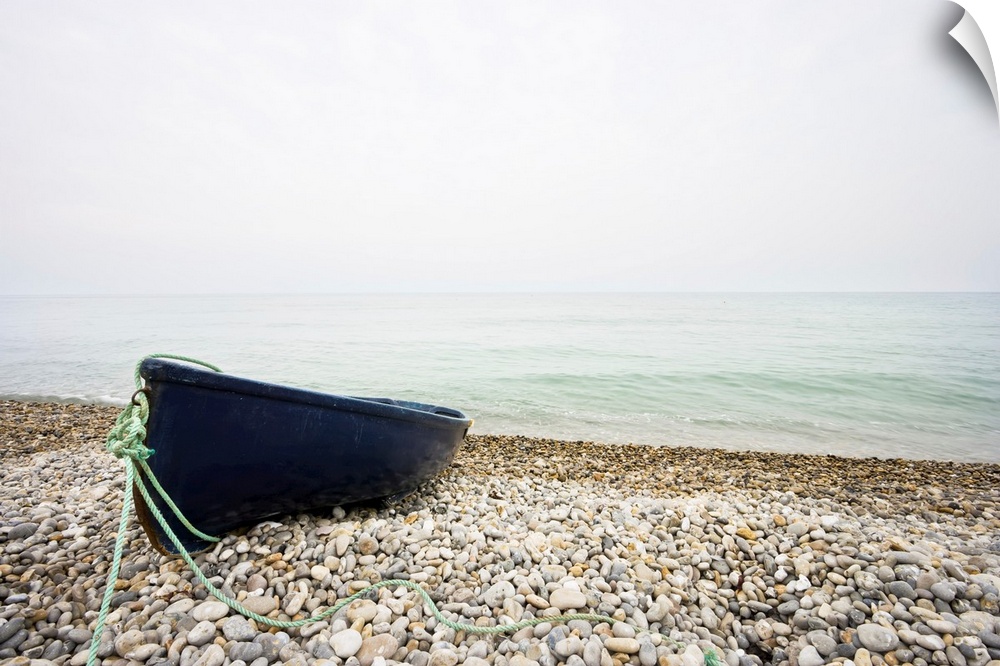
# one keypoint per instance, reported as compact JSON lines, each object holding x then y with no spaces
{"x":175,"y":357}
{"x":126,"y":441}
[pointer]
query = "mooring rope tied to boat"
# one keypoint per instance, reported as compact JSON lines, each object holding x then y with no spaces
{"x":127,"y":441}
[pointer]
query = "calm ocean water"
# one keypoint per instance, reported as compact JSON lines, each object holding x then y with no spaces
{"x":887,"y":375}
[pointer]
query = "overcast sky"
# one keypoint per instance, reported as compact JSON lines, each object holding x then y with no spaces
{"x":481,"y":146}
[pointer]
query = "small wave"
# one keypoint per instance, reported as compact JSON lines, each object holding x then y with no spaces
{"x":105,"y":400}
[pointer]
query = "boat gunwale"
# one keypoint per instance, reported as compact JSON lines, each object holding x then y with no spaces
{"x":425,"y":414}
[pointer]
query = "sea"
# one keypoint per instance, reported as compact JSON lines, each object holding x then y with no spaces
{"x":890,"y":375}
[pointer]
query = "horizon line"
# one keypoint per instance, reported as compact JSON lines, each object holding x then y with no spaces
{"x":519,"y":292}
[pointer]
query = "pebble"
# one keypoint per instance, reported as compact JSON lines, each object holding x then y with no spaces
{"x":383,"y":645}
{"x":238,"y":629}
{"x":945,"y":591}
{"x":79,"y":635}
{"x":568,"y":646}
{"x":625,"y":645}
{"x":623,"y":630}
{"x":367,"y":545}
{"x":245,"y":652}
{"x":21,"y":531}
{"x":475,"y":661}
{"x":567,"y":599}
{"x":12,"y":627}
{"x":212,"y":656}
{"x":128,"y":641}
{"x":955,"y":656}
{"x":444,"y":657}
{"x":270,"y":644}
{"x":180,"y":606}
{"x":809,"y":656}
{"x":346,"y":643}
{"x":822,"y":642}
{"x":862,"y":658}
{"x":878,"y":638}
{"x":496,"y":594}
{"x":901,"y":589}
{"x":202,"y":633}
{"x":143,"y":652}
{"x":261,"y":605}
{"x":647,"y":654}
{"x":930,"y":642}
{"x":942,"y":626}
{"x":210,"y":610}
{"x":900,"y":558}
{"x":592,"y":651}
{"x":692,"y":656}
{"x":256,"y":583}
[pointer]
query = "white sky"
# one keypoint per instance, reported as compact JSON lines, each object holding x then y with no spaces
{"x":398,"y":146}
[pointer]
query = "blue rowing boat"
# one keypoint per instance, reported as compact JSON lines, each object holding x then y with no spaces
{"x":231,"y":452}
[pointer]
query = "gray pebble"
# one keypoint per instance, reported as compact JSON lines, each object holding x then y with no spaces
{"x":930,"y":642}
{"x":32,"y":653}
{"x":647,"y":653}
{"x":945,"y":591}
{"x":22,"y":531}
{"x":346,"y":643}
{"x":901,"y":589}
{"x":245,"y":651}
{"x":469,"y":661}
{"x":54,"y":650}
{"x":210,"y":610}
{"x":418,"y":658}
{"x":846,"y":650}
{"x":809,"y":656}
{"x":789,"y":607}
{"x":143,"y":652}
{"x":202,"y":633}
{"x":497,"y":592}
{"x":443,"y":657}
{"x":237,"y":628}
{"x":822,"y":642}
{"x":212,"y":656}
{"x":878,"y":638}
{"x":942,"y":626}
{"x":568,"y":646}
{"x":261,"y":605}
{"x":12,"y":627}
{"x":323,"y":650}
{"x":79,"y":636}
{"x":271,"y":643}
{"x":592,"y":652}
{"x":901,"y":557}
{"x":955,"y":657}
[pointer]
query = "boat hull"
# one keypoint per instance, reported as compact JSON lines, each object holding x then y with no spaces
{"x":231,"y":452}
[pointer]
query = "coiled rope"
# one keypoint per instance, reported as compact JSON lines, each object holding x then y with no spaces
{"x":127,"y":441}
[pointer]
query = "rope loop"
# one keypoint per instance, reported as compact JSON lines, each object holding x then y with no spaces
{"x":127,"y":438}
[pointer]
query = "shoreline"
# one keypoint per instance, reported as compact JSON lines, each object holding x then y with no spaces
{"x":115,"y":405}
{"x":762,"y":557}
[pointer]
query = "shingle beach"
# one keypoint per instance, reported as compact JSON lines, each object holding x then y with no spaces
{"x":751,"y":558}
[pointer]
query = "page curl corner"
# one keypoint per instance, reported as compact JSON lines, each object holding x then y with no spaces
{"x":978,"y":32}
